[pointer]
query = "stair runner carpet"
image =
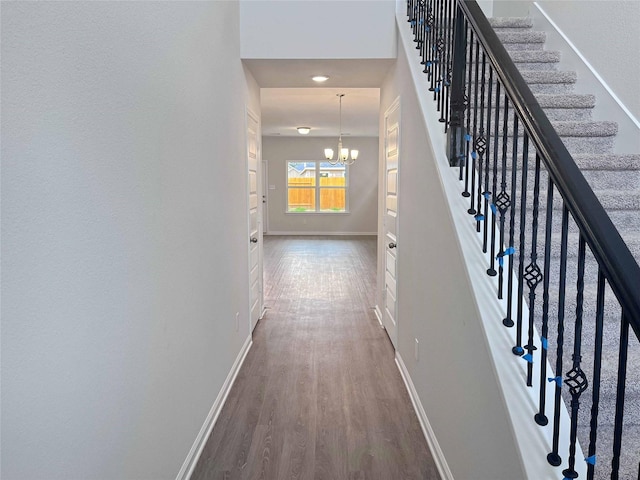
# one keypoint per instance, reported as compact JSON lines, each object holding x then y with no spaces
{"x":615,"y":179}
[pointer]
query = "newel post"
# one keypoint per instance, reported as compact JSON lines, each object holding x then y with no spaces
{"x":456,"y":133}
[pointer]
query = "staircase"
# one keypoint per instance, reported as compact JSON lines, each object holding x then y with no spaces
{"x":615,"y":179}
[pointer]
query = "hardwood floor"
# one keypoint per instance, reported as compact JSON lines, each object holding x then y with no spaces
{"x":319,"y":395}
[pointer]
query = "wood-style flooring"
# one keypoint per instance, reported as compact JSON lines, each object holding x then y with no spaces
{"x":319,"y":395}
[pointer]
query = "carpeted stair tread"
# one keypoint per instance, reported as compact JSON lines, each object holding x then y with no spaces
{"x":511,"y":22}
{"x":534,"y":56}
{"x":574,"y":100}
{"x":525,"y":36}
{"x":611,"y":161}
{"x":588,"y":129}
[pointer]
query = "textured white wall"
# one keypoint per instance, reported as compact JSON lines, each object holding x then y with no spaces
{"x":123,"y":232}
{"x":607,"y":33}
{"x":363,"y":185}
{"x":317,"y":29}
{"x":453,"y":376}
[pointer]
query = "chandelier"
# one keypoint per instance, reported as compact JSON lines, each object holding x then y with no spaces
{"x":344,"y":156}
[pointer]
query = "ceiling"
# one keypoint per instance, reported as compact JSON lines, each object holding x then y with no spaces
{"x":289,"y":98}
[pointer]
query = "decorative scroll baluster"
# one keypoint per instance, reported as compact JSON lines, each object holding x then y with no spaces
{"x":491,"y":271}
{"x":620,"y":393}
{"x":503,"y":200}
{"x":553,"y":458}
{"x":517,"y":349}
{"x":541,"y":417}
{"x":597,"y":366}
{"x":508,"y":321}
{"x":466,"y":193}
{"x":480,"y":144}
{"x":576,"y":379}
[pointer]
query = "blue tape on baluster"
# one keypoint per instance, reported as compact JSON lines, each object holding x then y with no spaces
{"x":428,"y":63}
{"x":509,"y":251}
{"x":474,"y":155}
{"x":545,"y":342}
{"x":413,"y":22}
{"x":427,"y":29}
{"x":494,"y":209}
{"x":500,"y":261}
{"x":421,"y":21}
{"x":518,"y":350}
{"x":479,"y":218}
{"x":528,"y":357}
{"x":437,"y":89}
{"x":467,"y":137}
{"x":447,"y":83}
{"x":487,"y":195}
{"x":591,"y":460}
{"x":557,"y":379}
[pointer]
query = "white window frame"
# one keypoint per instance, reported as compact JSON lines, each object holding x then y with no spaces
{"x":317,"y":189}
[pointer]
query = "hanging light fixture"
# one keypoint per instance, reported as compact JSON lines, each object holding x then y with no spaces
{"x":344,"y":156}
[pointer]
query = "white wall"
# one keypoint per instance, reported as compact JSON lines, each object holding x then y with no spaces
{"x":604,"y":31}
{"x":363,"y":186}
{"x":453,"y":377}
{"x":317,"y":29}
{"x":124,"y":232}
{"x":607,"y":33}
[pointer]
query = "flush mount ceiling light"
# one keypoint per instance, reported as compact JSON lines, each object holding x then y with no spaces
{"x":304,"y":130}
{"x":320,"y":78}
{"x":343,"y":156}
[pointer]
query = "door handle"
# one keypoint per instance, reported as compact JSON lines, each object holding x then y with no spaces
{"x":254,"y":240}
{"x":392,"y":245}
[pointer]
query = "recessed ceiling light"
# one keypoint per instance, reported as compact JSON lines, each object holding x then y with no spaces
{"x":304,"y":130}
{"x":320,"y":78}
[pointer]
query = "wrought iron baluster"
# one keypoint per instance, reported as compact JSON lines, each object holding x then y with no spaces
{"x":503,"y":200}
{"x":446,"y":78}
{"x":597,"y":365}
{"x":480,"y":144}
{"x":420,"y":22}
{"x":576,"y":379}
{"x":553,"y":457}
{"x":541,"y":417}
{"x":474,"y":154}
{"x":491,"y":271}
{"x":508,"y":321}
{"x":487,"y":193}
{"x":532,"y":274}
{"x":517,"y":349}
{"x":429,"y":44}
{"x":469,"y":65}
{"x":620,"y":393}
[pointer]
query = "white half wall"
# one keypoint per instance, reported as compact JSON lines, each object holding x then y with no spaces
{"x":453,"y":374}
{"x":124,"y":227}
{"x":363,"y":186}
{"x":317,"y":29}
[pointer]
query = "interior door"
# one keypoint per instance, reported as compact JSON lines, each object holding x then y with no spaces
{"x":391,"y":157}
{"x":255,"y":219}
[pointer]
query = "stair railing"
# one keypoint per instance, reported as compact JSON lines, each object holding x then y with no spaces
{"x":508,"y":152}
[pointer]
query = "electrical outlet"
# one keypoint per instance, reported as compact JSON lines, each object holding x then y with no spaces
{"x":417,"y":352}
{"x":237,"y":321}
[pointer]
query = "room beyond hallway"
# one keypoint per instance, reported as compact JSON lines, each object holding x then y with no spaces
{"x":319,"y":395}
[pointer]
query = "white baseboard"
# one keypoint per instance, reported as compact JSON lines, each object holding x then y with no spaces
{"x":203,"y":435}
{"x":429,"y":435}
{"x":378,"y":313}
{"x":367,"y":234}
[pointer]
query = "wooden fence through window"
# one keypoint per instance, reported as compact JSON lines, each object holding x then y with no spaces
{"x":302,"y":194}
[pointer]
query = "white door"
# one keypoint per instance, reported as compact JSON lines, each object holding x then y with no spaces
{"x":255,"y":220}
{"x":390,"y":227}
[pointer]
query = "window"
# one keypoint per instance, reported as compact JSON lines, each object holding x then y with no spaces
{"x":316,"y":187}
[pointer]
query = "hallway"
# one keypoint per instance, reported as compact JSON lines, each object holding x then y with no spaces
{"x":319,"y":395}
